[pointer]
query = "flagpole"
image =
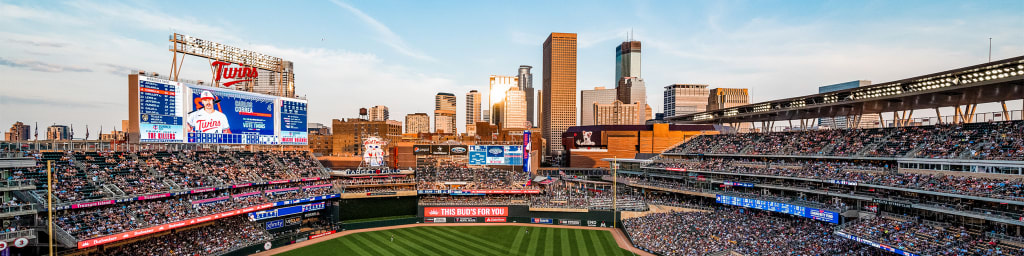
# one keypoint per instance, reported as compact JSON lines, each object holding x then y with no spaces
{"x":49,"y":201}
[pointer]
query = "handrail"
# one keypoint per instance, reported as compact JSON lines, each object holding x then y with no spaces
{"x":17,"y":208}
{"x":16,"y":234}
{"x":15,"y":183}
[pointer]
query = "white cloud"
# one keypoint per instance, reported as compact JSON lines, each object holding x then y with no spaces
{"x":386,"y":36}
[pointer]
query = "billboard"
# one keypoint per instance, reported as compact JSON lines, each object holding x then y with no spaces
{"x":292,"y":121}
{"x":465,"y":211}
{"x":173,"y":112}
{"x":527,"y":145}
{"x":496,"y":155}
{"x":160,"y":110}
{"x":458,"y":150}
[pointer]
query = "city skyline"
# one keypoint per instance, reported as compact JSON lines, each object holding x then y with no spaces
{"x":769,"y":50}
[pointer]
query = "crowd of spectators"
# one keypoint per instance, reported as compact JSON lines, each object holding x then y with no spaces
{"x":473,"y":200}
{"x":986,"y":141}
{"x":91,"y":175}
{"x":740,"y":230}
{"x":85,"y":223}
{"x":923,"y":239}
{"x":224,"y":236}
{"x":1007,"y":188}
{"x":479,"y":178}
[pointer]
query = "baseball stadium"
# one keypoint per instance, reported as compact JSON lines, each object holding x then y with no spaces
{"x":232,"y":165}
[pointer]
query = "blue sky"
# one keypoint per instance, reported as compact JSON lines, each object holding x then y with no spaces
{"x":66,"y":62}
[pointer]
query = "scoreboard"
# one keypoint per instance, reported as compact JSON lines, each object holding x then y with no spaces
{"x":174,"y":112}
{"x":160,"y":110}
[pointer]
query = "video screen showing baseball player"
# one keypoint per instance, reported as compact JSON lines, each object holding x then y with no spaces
{"x":210,"y":118}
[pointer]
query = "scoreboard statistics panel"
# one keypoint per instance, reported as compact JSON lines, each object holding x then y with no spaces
{"x":292,"y":121}
{"x":160,"y":111}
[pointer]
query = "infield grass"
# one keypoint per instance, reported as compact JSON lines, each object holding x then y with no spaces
{"x":468,"y":240}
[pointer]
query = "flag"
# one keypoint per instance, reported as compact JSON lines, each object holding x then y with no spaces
{"x":72,"y":131}
{"x":37,"y":130}
{"x":87,"y":132}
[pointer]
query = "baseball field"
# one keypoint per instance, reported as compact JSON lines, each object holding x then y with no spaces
{"x":468,"y":240}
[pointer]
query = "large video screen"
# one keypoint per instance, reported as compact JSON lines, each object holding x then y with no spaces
{"x":160,"y":110}
{"x":220,"y":116}
{"x":172,"y":112}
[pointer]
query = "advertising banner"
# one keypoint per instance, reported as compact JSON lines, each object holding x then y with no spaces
{"x":161,"y":103}
{"x":494,"y":219}
{"x":875,"y":244}
{"x":527,"y":145}
{"x":224,"y":116}
{"x":540,"y":221}
{"x":569,"y":222}
{"x":465,"y":219}
{"x":421,"y":149}
{"x":806,"y":212}
{"x":285,"y":211}
{"x":439,"y":149}
{"x":435,"y":220}
{"x":465,"y":211}
{"x":458,"y":150}
{"x":292,"y":121}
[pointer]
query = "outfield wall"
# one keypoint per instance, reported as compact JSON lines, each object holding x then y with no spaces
{"x":353,"y":209}
{"x":513,"y":214}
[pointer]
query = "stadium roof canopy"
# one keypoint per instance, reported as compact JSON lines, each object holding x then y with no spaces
{"x":989,"y":82}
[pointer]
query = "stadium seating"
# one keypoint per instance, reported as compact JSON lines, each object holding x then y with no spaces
{"x":741,"y":230}
{"x":984,"y":141}
{"x":908,"y":234}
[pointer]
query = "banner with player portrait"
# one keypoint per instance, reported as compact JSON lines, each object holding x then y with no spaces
{"x":224,"y":116}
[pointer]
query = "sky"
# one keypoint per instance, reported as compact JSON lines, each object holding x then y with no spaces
{"x":67,"y":62}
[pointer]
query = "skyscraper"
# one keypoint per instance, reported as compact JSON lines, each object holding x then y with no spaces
{"x":496,"y":96}
{"x":526,"y":84}
{"x":58,"y":132}
{"x":514,"y":110}
{"x":18,"y":132}
{"x":627,"y":60}
{"x":559,"y":88}
{"x":417,"y":123}
{"x":472,"y":111}
{"x":631,"y":90}
{"x":618,"y":113}
{"x":444,"y":113}
{"x":682,"y":99}
{"x":599,"y":95}
{"x":727,"y":97}
{"x":379,"y":113}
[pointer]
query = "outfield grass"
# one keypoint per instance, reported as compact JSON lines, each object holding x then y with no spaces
{"x":469,"y":240}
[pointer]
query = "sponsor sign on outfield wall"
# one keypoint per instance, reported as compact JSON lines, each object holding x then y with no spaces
{"x":494,"y":219}
{"x":464,"y":211}
{"x":540,"y":220}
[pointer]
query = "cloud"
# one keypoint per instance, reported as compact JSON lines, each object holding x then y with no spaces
{"x":11,"y":101}
{"x":40,"y":66}
{"x":384,"y":33}
{"x":38,"y":43}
